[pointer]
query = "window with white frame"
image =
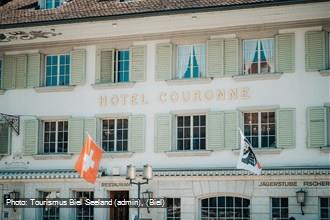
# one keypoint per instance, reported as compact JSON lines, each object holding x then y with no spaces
{"x":280,"y":209}
{"x":49,"y":4}
{"x":55,"y":137}
{"x":84,"y":212}
{"x":49,"y":212}
{"x":57,"y":70}
{"x":115,"y":135}
{"x":173,"y":210}
{"x":225,"y":207}
{"x":191,"y":61}
{"x":324,"y":208}
{"x":122,"y":66}
{"x":191,"y":132}
{"x":258,"y":56}
{"x":260,"y":128}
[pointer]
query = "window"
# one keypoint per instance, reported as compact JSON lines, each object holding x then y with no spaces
{"x":226,"y":208}
{"x":325,"y":208}
{"x":84,"y":212}
{"x":1,"y":73}
{"x":258,"y":56}
{"x":49,"y":4}
{"x":173,"y":210}
{"x":55,"y":137}
{"x":191,"y":132}
{"x":280,"y":210}
{"x":115,"y":135}
{"x":57,"y":70}
{"x":50,"y":212}
{"x":122,"y":66}
{"x":259,"y":128}
{"x":191,"y":61}
{"x":4,"y":138}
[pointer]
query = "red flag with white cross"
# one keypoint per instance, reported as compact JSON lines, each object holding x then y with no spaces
{"x":89,"y":160}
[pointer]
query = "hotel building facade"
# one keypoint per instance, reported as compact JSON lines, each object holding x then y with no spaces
{"x":169,"y":84}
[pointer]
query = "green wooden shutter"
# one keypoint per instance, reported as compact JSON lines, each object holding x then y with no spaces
{"x":105,"y":66}
{"x":164,"y":59}
{"x":215,"y":130}
{"x":138,"y":64}
{"x":76,"y":134}
{"x":215,"y":52}
{"x":231,"y":52}
{"x":90,"y":127}
{"x":21,"y":71}
{"x":4,"y":139}
{"x":286,"y":128}
{"x":317,"y":127}
{"x":33,"y":70}
{"x":231,"y":129}
{"x":9,"y":71}
{"x":315,"y":51}
{"x":30,"y":138}
{"x":285,"y":53}
{"x":136,"y":133}
{"x":163,"y":132}
{"x":78,"y":66}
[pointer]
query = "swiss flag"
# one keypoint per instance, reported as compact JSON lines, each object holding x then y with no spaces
{"x":89,"y":160}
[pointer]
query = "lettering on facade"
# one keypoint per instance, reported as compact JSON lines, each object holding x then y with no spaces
{"x":316,"y":183}
{"x":115,"y":184}
{"x":278,"y":184}
{"x":179,"y":97}
{"x":294,"y":183}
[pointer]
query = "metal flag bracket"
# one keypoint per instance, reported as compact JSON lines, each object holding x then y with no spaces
{"x":12,"y":120}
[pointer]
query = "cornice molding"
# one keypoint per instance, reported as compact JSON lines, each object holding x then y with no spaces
{"x":20,"y":175}
{"x":201,"y":33}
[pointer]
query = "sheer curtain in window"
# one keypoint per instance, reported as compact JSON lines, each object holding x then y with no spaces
{"x":268,"y":51}
{"x":250,"y":51}
{"x":200,"y":57}
{"x":184,"y":53}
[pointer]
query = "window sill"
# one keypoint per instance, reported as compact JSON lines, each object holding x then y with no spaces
{"x":188,"y":153}
{"x":189,"y":81}
{"x":2,"y":91}
{"x":113,"y":85}
{"x":263,"y":150}
{"x":118,"y":155}
{"x":52,"y":156}
{"x":325,"y":72}
{"x":54,"y":89}
{"x":252,"y":77}
{"x":325,"y":149}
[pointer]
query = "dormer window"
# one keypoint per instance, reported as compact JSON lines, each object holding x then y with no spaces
{"x":49,"y":4}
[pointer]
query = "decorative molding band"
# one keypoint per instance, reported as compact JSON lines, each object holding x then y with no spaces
{"x":41,"y":174}
{"x":236,"y":172}
{"x":31,"y":35}
{"x":71,"y":174}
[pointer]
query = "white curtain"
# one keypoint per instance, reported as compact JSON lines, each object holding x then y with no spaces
{"x":200,"y":57}
{"x":183,"y":60}
{"x":268,"y":48}
{"x":250,"y":50}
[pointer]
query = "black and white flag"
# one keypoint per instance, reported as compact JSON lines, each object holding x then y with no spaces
{"x":247,"y":159}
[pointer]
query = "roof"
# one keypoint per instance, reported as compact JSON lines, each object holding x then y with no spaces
{"x":27,"y":12}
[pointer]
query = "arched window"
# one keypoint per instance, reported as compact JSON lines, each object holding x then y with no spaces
{"x":225,"y":207}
